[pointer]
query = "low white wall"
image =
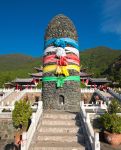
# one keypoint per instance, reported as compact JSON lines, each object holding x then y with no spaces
{"x":93,"y":136}
{"x":27,"y":136}
{"x":7,"y":93}
{"x":85,"y":90}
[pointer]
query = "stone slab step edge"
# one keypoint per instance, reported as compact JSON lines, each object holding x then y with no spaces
{"x":55,"y":129}
{"x":57,"y":138}
{"x":58,"y":145}
{"x":59,"y":116}
{"x":68,"y":122}
{"x":58,"y":148}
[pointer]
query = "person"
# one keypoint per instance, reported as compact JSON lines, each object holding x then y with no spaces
{"x":11,"y":146}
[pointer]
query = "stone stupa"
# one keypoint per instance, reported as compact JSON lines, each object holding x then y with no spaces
{"x":61,"y":66}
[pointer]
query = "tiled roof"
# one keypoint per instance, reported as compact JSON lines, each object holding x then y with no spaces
{"x":39,"y":74}
{"x":99,"y":80}
{"x":83,"y":74}
{"x":23,"y":80}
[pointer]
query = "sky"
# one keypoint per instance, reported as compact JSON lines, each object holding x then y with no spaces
{"x":23,"y":23}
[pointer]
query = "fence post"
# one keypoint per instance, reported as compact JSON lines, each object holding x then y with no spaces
{"x":96,"y":141}
{"x":24,"y":141}
{"x":82,"y":104}
{"x":87,"y":117}
{"x":39,"y":104}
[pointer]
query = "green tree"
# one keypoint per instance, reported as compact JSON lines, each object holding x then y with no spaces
{"x":21,"y":114}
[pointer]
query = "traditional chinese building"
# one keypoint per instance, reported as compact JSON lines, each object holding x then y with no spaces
{"x":96,"y":82}
{"x":22,"y":83}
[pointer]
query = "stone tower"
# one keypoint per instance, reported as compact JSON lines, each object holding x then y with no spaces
{"x":61,"y":66}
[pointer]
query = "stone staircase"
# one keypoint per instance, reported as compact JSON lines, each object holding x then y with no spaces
{"x":9,"y":99}
{"x":58,"y":131}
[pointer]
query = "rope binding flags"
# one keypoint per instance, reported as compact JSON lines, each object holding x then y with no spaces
{"x":60,"y":80}
{"x":61,"y":58}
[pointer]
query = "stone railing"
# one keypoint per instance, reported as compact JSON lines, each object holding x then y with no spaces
{"x":101,"y":95}
{"x":27,"y":136}
{"x":85,"y":90}
{"x":7,"y":93}
{"x":95,"y":107}
{"x":93,"y":136}
{"x":6,"y":90}
{"x":33,"y":90}
{"x":10,"y":108}
{"x":5,"y":115}
{"x":23,"y":92}
{"x":115,"y":94}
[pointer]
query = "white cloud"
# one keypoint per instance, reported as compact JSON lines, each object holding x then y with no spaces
{"x":111,"y":16}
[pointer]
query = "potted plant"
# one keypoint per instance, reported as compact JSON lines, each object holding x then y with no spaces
{"x":111,"y":123}
{"x":20,"y":117}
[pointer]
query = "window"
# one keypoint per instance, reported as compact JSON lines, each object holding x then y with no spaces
{"x":61,"y":99}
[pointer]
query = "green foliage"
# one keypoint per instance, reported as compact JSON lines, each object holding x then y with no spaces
{"x":39,"y":86}
{"x":21,"y":114}
{"x":16,"y":66}
{"x":111,"y":122}
{"x":114,"y":70}
{"x":82,"y":85}
{"x":114,"y":107}
{"x":97,"y":59}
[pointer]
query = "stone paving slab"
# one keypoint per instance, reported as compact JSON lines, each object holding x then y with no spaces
{"x":59,"y":129}
{"x":58,"y":122}
{"x":58,"y":146}
{"x":106,"y":146}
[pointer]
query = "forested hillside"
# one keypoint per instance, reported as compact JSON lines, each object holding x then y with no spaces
{"x":16,"y":65}
{"x":99,"y":60}
{"x":113,"y":71}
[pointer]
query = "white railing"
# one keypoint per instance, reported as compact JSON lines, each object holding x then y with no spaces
{"x":20,"y":94}
{"x":11,"y":108}
{"x":23,"y":92}
{"x":95,"y":107}
{"x":27,"y":136}
{"x":85,"y":90}
{"x":6,"y":115}
{"x":93,"y":136}
{"x":33,"y":90}
{"x":7,"y":93}
{"x":6,"y":90}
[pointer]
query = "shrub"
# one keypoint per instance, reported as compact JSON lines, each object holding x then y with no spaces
{"x":21,"y":114}
{"x":111,"y":122}
{"x":82,"y":85}
{"x":114,"y":107}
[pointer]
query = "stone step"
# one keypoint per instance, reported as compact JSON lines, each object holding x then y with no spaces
{"x":58,"y":129}
{"x":67,"y":122}
{"x":60,"y":138}
{"x":59,"y":115}
{"x":57,"y":146}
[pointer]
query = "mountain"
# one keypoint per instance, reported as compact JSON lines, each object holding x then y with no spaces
{"x":15,"y":61}
{"x":98,"y":60}
{"x":113,"y":71}
{"x":16,"y":65}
